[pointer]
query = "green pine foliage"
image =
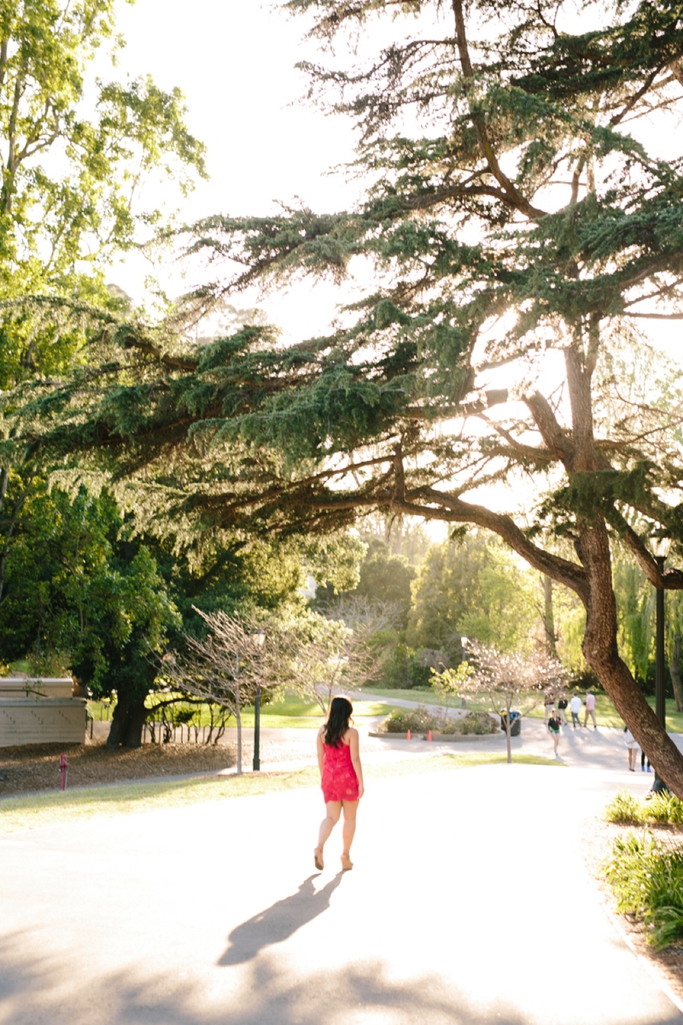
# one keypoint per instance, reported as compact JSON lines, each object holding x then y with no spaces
{"x":516,"y":222}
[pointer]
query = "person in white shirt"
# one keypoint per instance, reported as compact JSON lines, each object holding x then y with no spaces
{"x":576,"y":704}
{"x":632,"y":746}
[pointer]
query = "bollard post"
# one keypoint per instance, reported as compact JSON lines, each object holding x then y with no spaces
{"x":409,"y":735}
{"x":63,"y":768}
{"x":429,"y":735}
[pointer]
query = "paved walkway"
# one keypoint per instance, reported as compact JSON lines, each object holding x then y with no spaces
{"x":282,"y":748}
{"x":469,"y":904}
{"x":585,"y":747}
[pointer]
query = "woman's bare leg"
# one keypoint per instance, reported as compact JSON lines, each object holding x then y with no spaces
{"x":329,"y":822}
{"x":349,"y":828}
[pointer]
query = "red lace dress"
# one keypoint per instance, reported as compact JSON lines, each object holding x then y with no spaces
{"x":339,"y":782}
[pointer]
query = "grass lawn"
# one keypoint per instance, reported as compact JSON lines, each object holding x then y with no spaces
{"x":605,"y":711}
{"x":422,"y":697}
{"x":51,"y":807}
{"x":290,"y":712}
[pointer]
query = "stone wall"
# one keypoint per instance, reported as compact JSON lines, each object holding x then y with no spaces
{"x":40,"y":711}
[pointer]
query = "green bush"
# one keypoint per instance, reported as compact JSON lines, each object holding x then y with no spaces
{"x":417,"y":720}
{"x":647,"y":880}
{"x":629,"y":811}
{"x":663,"y":807}
{"x":625,"y":809}
{"x":479,"y":723}
{"x":421,"y":720}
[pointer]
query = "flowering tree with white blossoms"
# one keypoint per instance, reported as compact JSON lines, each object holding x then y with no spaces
{"x":504,"y":680}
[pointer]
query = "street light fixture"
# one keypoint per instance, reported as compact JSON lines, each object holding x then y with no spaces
{"x":660,"y":547}
{"x":259,"y":638}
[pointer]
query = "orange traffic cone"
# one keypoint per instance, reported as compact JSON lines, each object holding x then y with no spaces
{"x":409,"y":735}
{"x":429,"y":735}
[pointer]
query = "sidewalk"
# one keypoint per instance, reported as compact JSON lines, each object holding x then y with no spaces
{"x":469,"y":904}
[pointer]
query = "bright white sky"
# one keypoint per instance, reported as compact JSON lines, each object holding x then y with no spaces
{"x":234,"y":61}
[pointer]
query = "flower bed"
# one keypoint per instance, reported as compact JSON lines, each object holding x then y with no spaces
{"x":421,"y":720}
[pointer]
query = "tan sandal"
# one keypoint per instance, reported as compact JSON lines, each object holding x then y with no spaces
{"x":347,"y":864}
{"x":318,"y":858}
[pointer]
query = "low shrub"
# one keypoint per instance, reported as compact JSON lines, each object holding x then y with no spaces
{"x":417,"y":720}
{"x":625,"y":809}
{"x":660,"y":808}
{"x":663,"y":807}
{"x":479,"y":723}
{"x":647,"y":879}
{"x":421,"y":720}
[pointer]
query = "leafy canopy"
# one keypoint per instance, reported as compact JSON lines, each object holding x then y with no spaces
{"x":77,"y":152}
{"x":519,"y":222}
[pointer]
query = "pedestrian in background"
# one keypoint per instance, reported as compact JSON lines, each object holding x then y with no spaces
{"x":590,"y":710}
{"x":562,"y":708}
{"x":548,"y":704}
{"x":554,"y":731}
{"x":632,"y":746}
{"x":575,"y":705}
{"x":643,"y":756}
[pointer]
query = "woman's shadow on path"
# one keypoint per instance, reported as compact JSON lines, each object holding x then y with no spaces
{"x":278,"y":922}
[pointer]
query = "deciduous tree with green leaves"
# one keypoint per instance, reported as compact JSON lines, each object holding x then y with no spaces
{"x":84,"y":588}
{"x":79,"y":157}
{"x":520,"y":220}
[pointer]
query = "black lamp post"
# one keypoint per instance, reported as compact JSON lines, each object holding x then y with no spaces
{"x":259,"y":637}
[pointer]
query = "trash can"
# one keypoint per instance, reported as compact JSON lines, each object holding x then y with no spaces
{"x":515,"y":721}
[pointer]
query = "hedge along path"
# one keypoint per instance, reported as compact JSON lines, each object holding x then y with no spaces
{"x":56,"y":807}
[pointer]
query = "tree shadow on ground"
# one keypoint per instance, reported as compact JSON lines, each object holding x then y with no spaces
{"x":278,"y":922}
{"x":39,"y":990}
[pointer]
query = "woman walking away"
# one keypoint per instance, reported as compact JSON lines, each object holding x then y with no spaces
{"x":341,"y":778}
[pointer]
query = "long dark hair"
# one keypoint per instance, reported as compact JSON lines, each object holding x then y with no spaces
{"x":337,"y":723}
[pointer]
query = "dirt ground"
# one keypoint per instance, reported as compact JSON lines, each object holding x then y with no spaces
{"x":597,"y":840}
{"x":36,"y":766}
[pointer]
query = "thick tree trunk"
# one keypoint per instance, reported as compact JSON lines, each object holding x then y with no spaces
{"x":601,"y":654}
{"x":675,"y":670}
{"x":127,"y":723}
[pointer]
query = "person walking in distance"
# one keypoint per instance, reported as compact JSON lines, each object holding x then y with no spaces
{"x":548,"y":703}
{"x":562,"y":709}
{"x":341,"y":778}
{"x":554,"y":731}
{"x":590,"y":710}
{"x":632,"y":746}
{"x":575,"y":706}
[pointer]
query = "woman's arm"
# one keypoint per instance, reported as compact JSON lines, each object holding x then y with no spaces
{"x":321,"y":752}
{"x":355,"y":760}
